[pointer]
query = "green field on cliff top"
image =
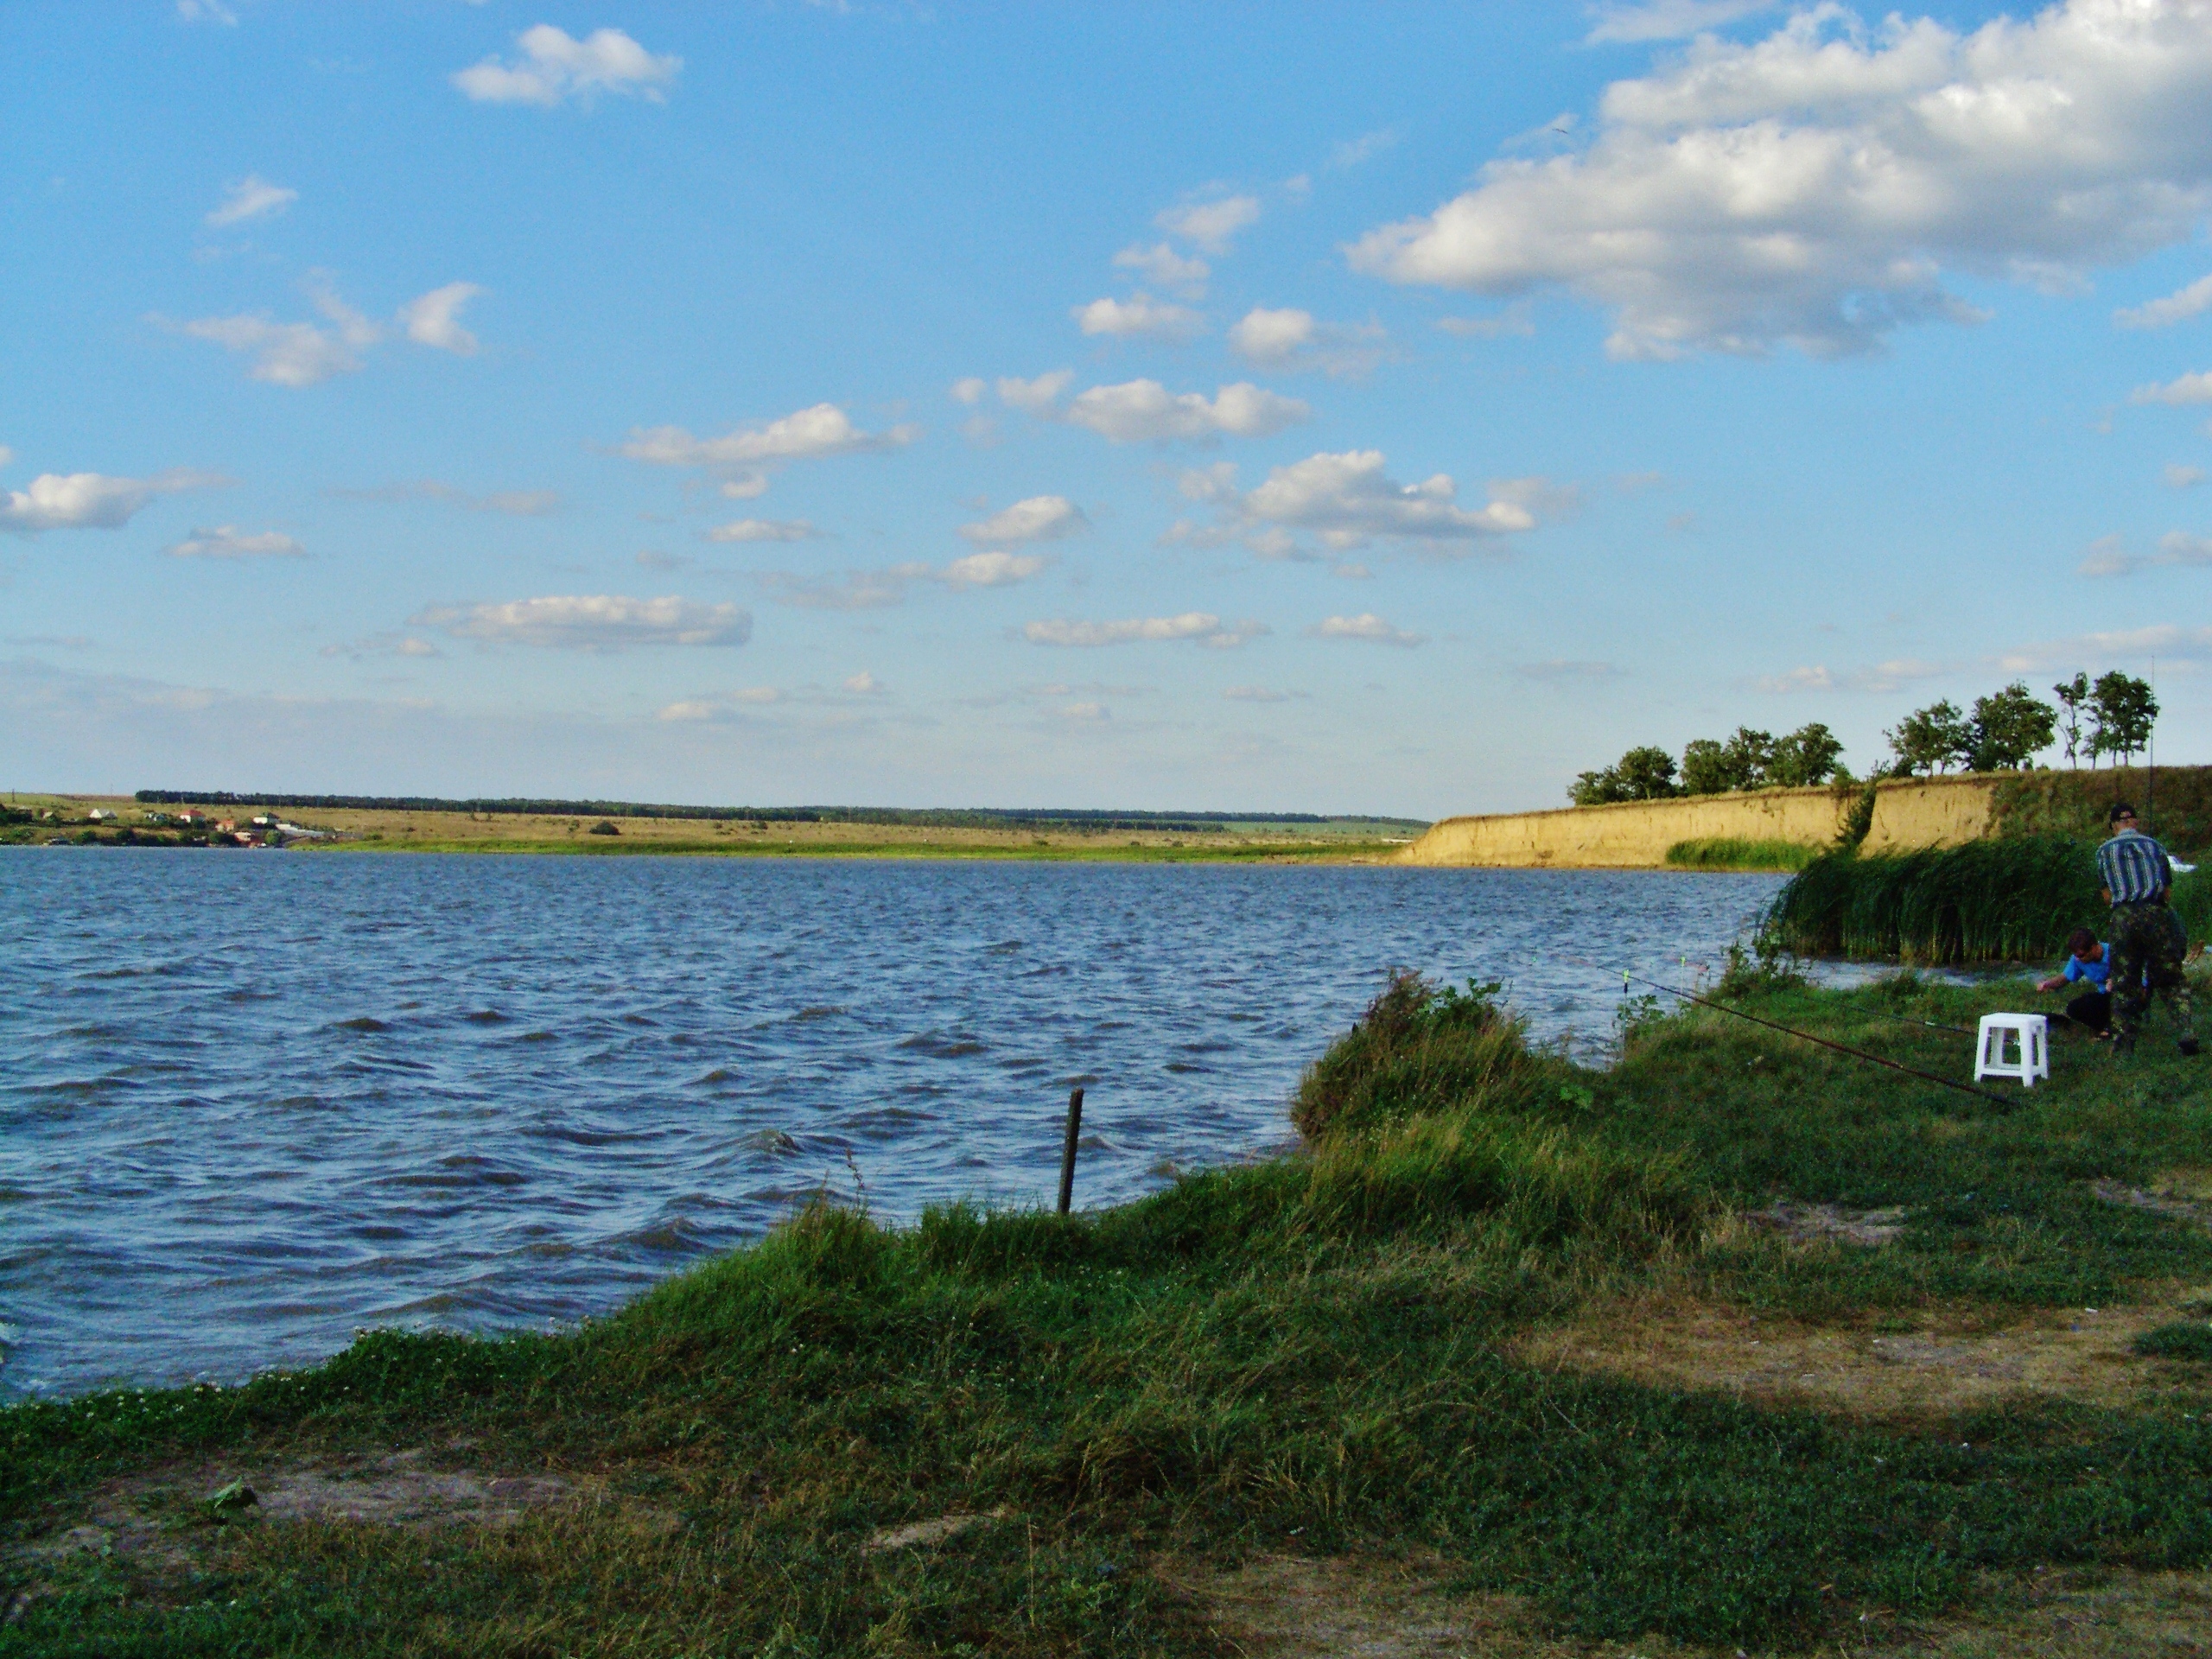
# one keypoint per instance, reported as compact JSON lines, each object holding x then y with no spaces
{"x":1738,"y":1344}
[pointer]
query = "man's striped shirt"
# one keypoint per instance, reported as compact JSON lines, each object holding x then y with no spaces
{"x":2133,"y":867}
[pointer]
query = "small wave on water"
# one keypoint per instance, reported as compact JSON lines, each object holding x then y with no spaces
{"x":586,"y":1074}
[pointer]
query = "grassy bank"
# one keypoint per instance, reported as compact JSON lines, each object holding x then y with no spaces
{"x":2013,"y":900}
{"x":1733,"y":853}
{"x":1462,"y":1326}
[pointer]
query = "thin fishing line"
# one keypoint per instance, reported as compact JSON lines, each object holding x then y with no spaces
{"x":1840,"y":1048}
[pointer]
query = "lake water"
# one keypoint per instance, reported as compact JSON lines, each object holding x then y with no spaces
{"x":251,"y":1102}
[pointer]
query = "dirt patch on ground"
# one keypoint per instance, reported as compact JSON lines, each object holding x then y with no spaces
{"x":150,"y":1516}
{"x":922,"y":1535}
{"x":1355,"y":1607}
{"x":1943,"y":1366}
{"x":1816,"y":1224}
{"x":2184,"y":1194}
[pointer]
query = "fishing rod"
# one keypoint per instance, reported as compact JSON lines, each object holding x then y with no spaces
{"x":1840,"y":1048}
{"x":1932,"y":1024}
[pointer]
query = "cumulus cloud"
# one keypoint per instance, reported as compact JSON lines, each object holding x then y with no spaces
{"x":720,"y":705}
{"x":229,"y":541}
{"x":867,"y":590}
{"x":763,"y":530}
{"x":1290,"y":340}
{"x":1144,"y":411}
{"x":92,"y":500}
{"x":1163,"y":267}
{"x":2167,"y":641}
{"x":384,"y":644}
{"x":806,"y":434}
{"x":552,"y":65}
{"x":433,"y":319}
{"x":593,"y":622}
{"x":2186,"y":389}
{"x":969,"y":390}
{"x":299,"y":355}
{"x":1211,"y":225}
{"x":1366,"y":147}
{"x":251,"y":197}
{"x":1138,"y":317}
{"x":1199,"y":626}
{"x":1812,"y":188}
{"x":2109,"y":556}
{"x":1667,"y":19}
{"x":1347,"y":501}
{"x":1037,"y":396}
{"x":2174,"y":307}
{"x":1892,"y":676}
{"x":1040,"y":519}
{"x":863,"y":684}
{"x":518,"y":503}
{"x":1367,"y":626}
{"x":2183,"y":478}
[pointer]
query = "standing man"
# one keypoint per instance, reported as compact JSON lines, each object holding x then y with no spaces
{"x":2146,"y":937}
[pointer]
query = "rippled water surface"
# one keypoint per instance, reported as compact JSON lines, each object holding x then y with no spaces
{"x":251,"y":1102}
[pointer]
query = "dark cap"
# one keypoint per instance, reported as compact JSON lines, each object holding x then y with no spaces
{"x":2119,"y":810}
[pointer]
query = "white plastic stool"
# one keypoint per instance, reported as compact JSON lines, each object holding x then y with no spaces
{"x":2032,"y":1032}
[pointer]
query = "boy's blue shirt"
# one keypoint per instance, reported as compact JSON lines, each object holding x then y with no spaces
{"x":2098,"y":973}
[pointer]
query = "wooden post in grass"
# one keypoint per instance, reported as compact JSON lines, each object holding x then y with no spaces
{"x":1067,"y":1150}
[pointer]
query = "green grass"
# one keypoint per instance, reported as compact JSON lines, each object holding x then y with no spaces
{"x":1733,"y":853}
{"x":2011,"y":899}
{"x":1310,"y":1353}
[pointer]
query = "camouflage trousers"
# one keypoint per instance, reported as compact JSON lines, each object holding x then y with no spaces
{"x":2147,"y":944}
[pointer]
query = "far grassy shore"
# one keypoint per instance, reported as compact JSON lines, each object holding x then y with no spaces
{"x":1740,"y":1345}
{"x":1345,"y":841}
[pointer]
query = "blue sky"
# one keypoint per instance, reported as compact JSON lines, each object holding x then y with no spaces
{"x":1317,"y":408}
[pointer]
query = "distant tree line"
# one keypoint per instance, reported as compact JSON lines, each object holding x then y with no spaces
{"x":947,"y":817}
{"x":2005,"y":730}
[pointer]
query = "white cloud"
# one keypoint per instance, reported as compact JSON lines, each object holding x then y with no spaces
{"x":763,"y":530}
{"x":1291,"y":340}
{"x":251,"y":197}
{"x":1199,"y":626}
{"x":1368,"y":626}
{"x":1141,"y":411}
{"x":433,"y":319}
{"x":2164,"y":640}
{"x":969,"y":390}
{"x":1211,"y":224}
{"x":1035,"y":396}
{"x":867,"y":590}
{"x":993,"y":570}
{"x":1668,"y":20}
{"x":863,"y":684}
{"x":206,"y":11}
{"x":1347,"y":501}
{"x":1254,"y":694}
{"x":718,"y":705}
{"x":1086,"y":711}
{"x":2187,"y":389}
{"x":2183,"y":478}
{"x":1892,"y":676}
{"x":293,"y":354}
{"x":747,"y":486}
{"x":1140,"y":317}
{"x":228,"y":542}
{"x":552,"y":65}
{"x":2109,"y":556}
{"x":1514,"y":320}
{"x":808,"y":434}
{"x":1163,"y":267}
{"x":92,"y":500}
{"x":519,"y":504}
{"x":1366,"y":147}
{"x":594,"y":622}
{"x":6,"y":455}
{"x":1812,"y":188}
{"x":2174,"y":307}
{"x":1040,"y":519}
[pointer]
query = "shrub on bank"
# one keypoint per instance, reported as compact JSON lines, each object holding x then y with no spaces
{"x":1735,"y":853}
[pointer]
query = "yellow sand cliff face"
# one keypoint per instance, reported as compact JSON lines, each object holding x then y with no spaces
{"x":1635,"y":835}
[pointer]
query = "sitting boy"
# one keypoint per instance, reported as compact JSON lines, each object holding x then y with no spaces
{"x":2087,"y":959}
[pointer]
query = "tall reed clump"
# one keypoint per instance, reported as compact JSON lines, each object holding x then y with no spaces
{"x":1417,"y":1047}
{"x":1733,"y":853}
{"x":2002,"y":900}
